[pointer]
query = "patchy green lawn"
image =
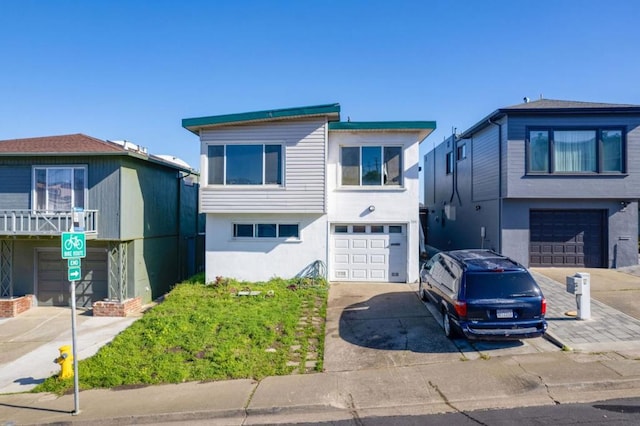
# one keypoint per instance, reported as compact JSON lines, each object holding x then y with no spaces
{"x":223,"y":330}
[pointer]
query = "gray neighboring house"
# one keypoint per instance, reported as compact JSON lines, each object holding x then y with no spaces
{"x":139,"y":213}
{"x":548,"y":183}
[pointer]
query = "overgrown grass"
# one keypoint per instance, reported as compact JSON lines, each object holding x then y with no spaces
{"x":213,"y":332}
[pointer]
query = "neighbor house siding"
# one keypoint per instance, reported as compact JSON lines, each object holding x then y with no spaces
{"x":485,"y":164}
{"x":593,"y":186}
{"x":150,"y":200}
{"x":303,"y":189}
{"x":15,"y":187}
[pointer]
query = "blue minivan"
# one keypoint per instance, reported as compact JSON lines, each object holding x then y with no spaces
{"x":483,"y":295}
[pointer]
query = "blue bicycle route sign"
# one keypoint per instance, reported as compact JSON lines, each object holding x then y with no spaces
{"x":73,"y":245}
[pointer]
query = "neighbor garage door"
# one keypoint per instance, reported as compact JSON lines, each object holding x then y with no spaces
{"x":369,"y":252}
{"x":53,"y":286}
{"x":567,"y":238}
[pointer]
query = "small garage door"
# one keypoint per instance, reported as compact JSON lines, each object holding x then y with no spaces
{"x":53,"y":286}
{"x":567,"y":238}
{"x":369,"y":252}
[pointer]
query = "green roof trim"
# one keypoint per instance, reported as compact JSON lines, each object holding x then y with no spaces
{"x":383,"y":125}
{"x":217,"y":120}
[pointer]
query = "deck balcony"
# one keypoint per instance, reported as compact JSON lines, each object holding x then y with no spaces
{"x":29,"y":223}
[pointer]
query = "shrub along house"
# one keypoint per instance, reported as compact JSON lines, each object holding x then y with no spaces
{"x":138,"y":212}
{"x":548,"y":183}
{"x":292,"y":190}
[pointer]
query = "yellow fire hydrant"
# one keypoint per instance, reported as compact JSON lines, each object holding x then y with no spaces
{"x":66,"y":362}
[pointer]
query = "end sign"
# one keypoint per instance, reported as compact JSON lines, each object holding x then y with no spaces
{"x":73,"y":245}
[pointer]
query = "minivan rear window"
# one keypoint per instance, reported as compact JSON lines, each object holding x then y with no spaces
{"x":495,"y":285}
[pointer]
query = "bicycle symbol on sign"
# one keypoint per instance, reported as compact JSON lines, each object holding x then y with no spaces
{"x":74,"y":242}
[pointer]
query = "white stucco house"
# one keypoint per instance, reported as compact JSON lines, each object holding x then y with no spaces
{"x":286,"y":189}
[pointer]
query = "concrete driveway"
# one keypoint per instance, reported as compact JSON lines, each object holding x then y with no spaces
{"x":386,"y":325}
{"x":29,"y":343}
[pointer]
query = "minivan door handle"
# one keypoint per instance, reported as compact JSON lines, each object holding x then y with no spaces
{"x":394,"y":244}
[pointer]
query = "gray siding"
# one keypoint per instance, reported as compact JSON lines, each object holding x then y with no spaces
{"x":305,"y":169}
{"x":485,"y":154}
{"x":597,"y":186}
{"x":15,"y":187}
{"x":620,"y":236}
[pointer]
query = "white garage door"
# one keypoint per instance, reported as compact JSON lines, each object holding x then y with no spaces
{"x":369,"y":252}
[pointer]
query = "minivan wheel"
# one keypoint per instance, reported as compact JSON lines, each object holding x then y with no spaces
{"x":446,"y":324}
{"x":422,"y":293}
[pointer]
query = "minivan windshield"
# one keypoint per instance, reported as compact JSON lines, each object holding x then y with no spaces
{"x":496,"y":285}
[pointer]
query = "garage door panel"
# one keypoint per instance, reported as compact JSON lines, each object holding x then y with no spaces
{"x":369,"y":255}
{"x":53,"y":286}
{"x":359,"y":243}
{"x":561,"y":237}
{"x":378,"y":243}
{"x":359,"y":259}
{"x":378,"y":274}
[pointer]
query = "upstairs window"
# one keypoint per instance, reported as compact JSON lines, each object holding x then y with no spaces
{"x":255,"y":164}
{"x":575,"y":151}
{"x":371,"y":165}
{"x":59,"y":189}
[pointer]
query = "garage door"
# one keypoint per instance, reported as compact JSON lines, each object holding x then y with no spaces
{"x":53,"y":286}
{"x":369,"y":252}
{"x":567,"y":238}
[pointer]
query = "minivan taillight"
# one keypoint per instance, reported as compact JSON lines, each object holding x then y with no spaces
{"x":543,"y":306}
{"x":461,"y":308}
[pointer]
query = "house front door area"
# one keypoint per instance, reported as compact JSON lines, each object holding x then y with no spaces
{"x":368,"y":252}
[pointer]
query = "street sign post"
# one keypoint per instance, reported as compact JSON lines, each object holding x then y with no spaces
{"x":73,"y":247}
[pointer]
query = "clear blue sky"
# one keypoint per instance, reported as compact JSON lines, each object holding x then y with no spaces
{"x":133,"y":69}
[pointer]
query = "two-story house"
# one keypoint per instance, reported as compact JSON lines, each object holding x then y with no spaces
{"x":138,"y":212}
{"x":548,"y":183}
{"x":294,"y":190}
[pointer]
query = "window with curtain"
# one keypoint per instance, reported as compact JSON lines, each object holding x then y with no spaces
{"x":59,"y":189}
{"x":575,"y":150}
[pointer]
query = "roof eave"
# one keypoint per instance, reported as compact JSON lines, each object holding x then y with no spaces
{"x":194,"y":125}
{"x":499,"y":113}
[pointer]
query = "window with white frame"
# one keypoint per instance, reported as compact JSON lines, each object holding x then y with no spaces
{"x":59,"y":188}
{"x":558,"y":150}
{"x":371,"y":165}
{"x":250,"y":164}
{"x":266,"y":230}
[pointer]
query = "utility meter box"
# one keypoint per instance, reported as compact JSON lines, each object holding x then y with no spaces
{"x":574,"y":285}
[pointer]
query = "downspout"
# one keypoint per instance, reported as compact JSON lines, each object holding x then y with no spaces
{"x":454,"y":169}
{"x":499,"y":183}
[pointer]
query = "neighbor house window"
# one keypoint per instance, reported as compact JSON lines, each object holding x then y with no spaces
{"x":449,"y":166}
{"x":575,"y":151}
{"x":255,"y":164}
{"x":461,"y":153}
{"x":266,"y":230}
{"x":371,"y":166}
{"x":58,"y":189}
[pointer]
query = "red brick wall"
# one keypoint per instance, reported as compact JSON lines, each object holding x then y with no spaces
{"x":117,"y":309}
{"x":13,"y":307}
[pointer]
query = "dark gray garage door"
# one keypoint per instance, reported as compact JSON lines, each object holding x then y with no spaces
{"x":567,"y":238}
{"x":53,"y":286}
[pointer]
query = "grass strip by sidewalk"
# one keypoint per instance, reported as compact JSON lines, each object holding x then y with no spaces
{"x":213,"y":332}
